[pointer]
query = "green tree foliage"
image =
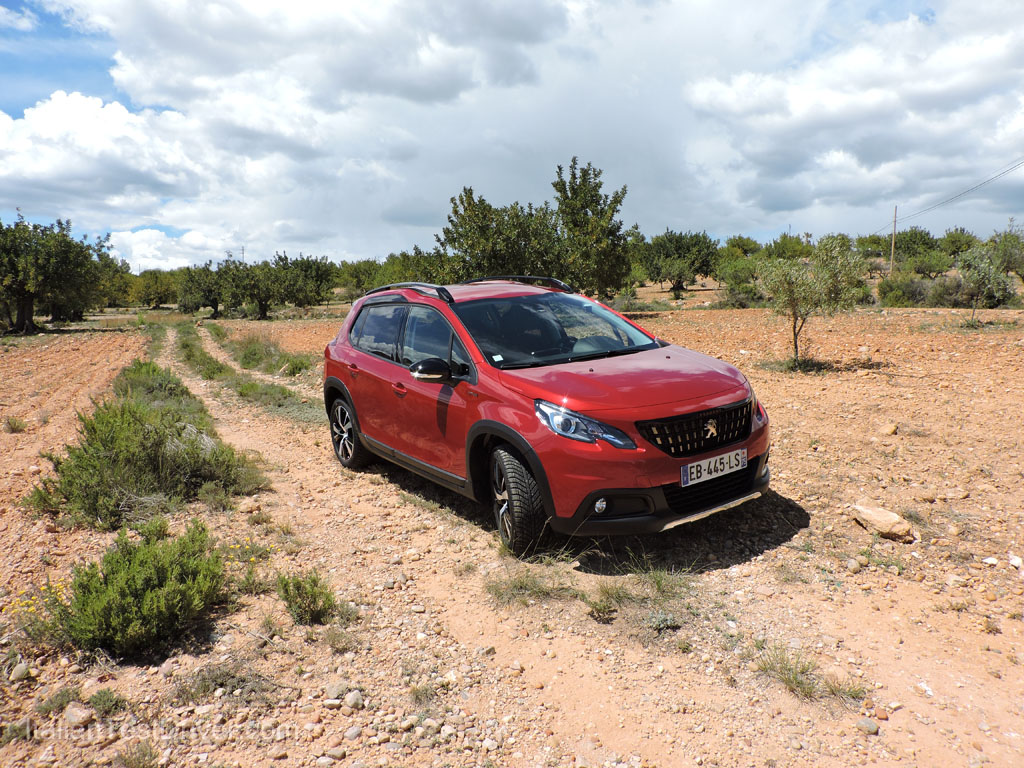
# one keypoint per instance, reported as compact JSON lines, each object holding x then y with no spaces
{"x":683,"y":256}
{"x":200,"y":287}
{"x":593,"y":253}
{"x":115,"y":282}
{"x":984,"y":279}
{"x":156,"y":287}
{"x":874,"y":251}
{"x":357,"y":277}
{"x":788,"y":247}
{"x":45,"y":267}
{"x":306,"y":280}
{"x":1008,"y":247}
{"x":829,"y":282}
{"x":913,"y":242}
{"x":739,"y":274}
{"x":930,"y":264}
{"x":748,"y":246}
{"x":956,"y":241}
{"x":481,"y":239}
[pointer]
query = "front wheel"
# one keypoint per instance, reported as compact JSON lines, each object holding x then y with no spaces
{"x":350,"y":452}
{"x":518,"y":508}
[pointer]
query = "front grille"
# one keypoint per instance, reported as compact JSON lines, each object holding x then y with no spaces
{"x":692,"y":499}
{"x":694,"y":433}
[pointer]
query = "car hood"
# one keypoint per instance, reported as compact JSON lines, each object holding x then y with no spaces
{"x":654,"y":377}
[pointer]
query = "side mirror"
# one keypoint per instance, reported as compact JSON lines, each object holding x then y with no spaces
{"x":431,"y":369}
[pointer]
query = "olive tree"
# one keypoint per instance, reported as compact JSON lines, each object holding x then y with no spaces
{"x":827,"y":282}
{"x":984,"y":279}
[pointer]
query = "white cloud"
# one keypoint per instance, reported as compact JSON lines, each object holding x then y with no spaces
{"x":24,"y":21}
{"x":343,"y":128}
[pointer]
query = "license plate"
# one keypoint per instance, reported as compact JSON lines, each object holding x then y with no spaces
{"x":716,"y":466}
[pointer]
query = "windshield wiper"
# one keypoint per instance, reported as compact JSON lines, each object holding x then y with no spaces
{"x":604,"y":353}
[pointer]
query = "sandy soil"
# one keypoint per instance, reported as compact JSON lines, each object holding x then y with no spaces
{"x":916,"y":414}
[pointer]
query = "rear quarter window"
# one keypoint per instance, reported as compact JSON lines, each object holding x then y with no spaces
{"x":376,"y":329}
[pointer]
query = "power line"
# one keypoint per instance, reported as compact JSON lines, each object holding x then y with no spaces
{"x":1009,"y":168}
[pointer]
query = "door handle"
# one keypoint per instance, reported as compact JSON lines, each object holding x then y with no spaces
{"x":353,"y":370}
{"x":399,"y":389}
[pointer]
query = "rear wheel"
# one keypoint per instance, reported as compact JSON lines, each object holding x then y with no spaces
{"x":518,"y":508}
{"x":350,"y":452}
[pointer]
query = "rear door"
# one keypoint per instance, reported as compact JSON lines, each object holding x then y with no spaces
{"x":373,"y":368}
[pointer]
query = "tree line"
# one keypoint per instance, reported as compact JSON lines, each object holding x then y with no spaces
{"x":578,"y":237}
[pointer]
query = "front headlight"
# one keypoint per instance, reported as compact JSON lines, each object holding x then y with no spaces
{"x":755,"y":406}
{"x":575,"y":426}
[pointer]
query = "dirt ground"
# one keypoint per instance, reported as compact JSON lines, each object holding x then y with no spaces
{"x":913,"y":413}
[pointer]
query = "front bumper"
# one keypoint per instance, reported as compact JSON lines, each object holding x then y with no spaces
{"x":650,"y":510}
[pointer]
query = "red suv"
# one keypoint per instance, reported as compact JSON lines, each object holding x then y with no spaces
{"x":556,"y":410}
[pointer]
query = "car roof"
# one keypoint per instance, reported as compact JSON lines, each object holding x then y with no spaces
{"x":461,"y":292}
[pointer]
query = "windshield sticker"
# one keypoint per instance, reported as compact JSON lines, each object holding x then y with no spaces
{"x":497,"y":358}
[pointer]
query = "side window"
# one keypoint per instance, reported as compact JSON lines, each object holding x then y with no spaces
{"x":460,"y":359}
{"x":427,"y":334}
{"x":379,"y":330}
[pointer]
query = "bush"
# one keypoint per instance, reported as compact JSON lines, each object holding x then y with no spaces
{"x":308,"y":598}
{"x":902,"y":290}
{"x":143,"y":596}
{"x":106,"y":702}
{"x":139,"y":453}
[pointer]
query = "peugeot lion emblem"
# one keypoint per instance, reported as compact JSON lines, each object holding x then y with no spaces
{"x":710,"y":429}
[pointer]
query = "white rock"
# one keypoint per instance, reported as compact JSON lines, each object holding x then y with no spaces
{"x":78,"y":714}
{"x":887,"y":524}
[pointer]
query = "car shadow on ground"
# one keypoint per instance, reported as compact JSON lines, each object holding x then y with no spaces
{"x":722,"y":540}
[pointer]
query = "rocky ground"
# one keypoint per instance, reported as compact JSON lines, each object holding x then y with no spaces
{"x":781,"y":633}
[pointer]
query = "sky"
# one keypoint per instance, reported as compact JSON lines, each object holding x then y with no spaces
{"x":189,"y":128}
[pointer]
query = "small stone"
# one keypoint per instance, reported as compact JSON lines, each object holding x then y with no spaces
{"x":78,"y":714}
{"x":418,"y":609}
{"x":353,"y":733}
{"x":335,"y":690}
{"x":167,"y":668}
{"x":19,"y":673}
{"x":890,"y":429}
{"x":1016,"y":562}
{"x":324,"y":761}
{"x":852,"y":565}
{"x":868,"y":726}
{"x":332,"y":703}
{"x":354,"y":699}
{"x":490,"y":745}
{"x":991,"y":561}
{"x":338,"y":753}
{"x":249,"y":506}
{"x":881,"y":714}
{"x":277,"y":752}
{"x":863,"y":560}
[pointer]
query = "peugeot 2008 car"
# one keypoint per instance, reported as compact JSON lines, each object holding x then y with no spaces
{"x":545,"y":404}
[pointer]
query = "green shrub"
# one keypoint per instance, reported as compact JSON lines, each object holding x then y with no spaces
{"x":14,"y":425}
{"x":106,"y":702}
{"x":58,"y":702}
{"x":902,"y":290}
{"x":308,"y":597}
{"x":141,"y":452}
{"x":143,"y":595}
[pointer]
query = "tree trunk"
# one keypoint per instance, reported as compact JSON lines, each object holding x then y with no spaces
{"x":796,"y":343}
{"x":26,"y":309}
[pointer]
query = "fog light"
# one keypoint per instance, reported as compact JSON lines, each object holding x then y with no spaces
{"x":600,"y":506}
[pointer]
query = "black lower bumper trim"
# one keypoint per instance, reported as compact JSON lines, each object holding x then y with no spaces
{"x":650,"y":510}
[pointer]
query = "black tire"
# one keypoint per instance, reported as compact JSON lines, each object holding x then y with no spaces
{"x":518,"y":508}
{"x":345,"y":437}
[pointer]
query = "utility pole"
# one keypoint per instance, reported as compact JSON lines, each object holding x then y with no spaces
{"x":892,"y":248}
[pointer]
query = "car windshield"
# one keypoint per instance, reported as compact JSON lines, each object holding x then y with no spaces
{"x":547,"y":329}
